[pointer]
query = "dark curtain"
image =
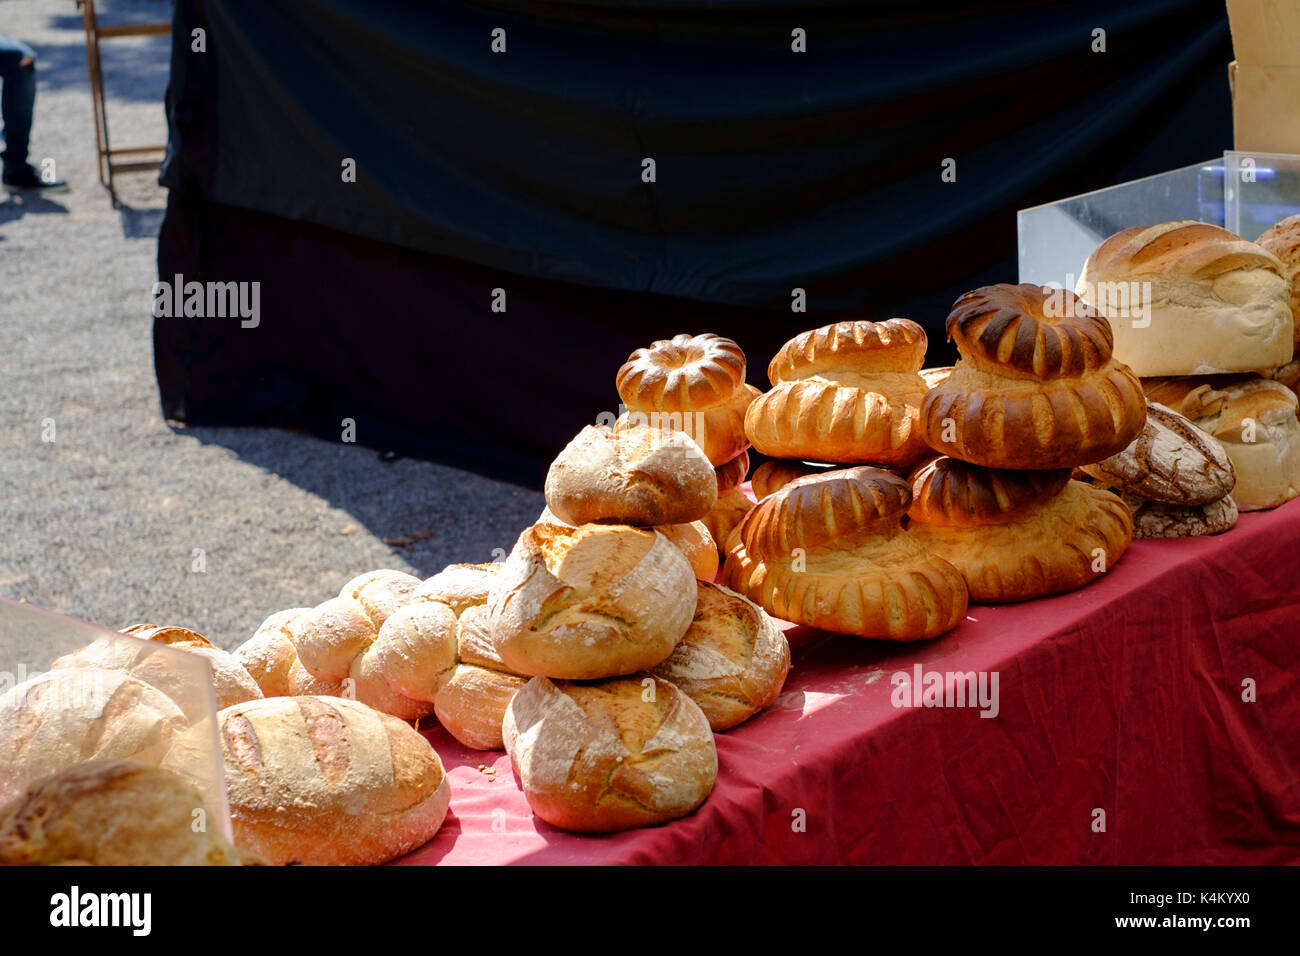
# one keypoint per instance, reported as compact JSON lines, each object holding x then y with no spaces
{"x":523,"y":171}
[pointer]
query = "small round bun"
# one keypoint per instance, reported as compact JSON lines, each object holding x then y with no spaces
{"x":635,"y":475}
{"x":598,"y":757}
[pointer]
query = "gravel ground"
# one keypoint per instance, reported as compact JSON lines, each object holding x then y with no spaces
{"x":122,"y":519}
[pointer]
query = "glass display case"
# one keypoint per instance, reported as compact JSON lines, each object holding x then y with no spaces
{"x":72,"y":691}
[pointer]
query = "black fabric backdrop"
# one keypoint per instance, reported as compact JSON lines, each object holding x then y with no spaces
{"x":522,"y":171}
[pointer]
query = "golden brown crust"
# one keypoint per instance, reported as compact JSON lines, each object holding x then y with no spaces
{"x":895,"y":345}
{"x":839,"y":507}
{"x":1027,"y":424}
{"x":775,"y":473}
{"x":269,"y":654}
{"x":1069,"y":541}
{"x":328,"y":781}
{"x":1283,"y":241}
{"x":954,"y":494}
{"x":733,"y":660}
{"x":934,"y":377}
{"x":609,"y":755}
{"x":473,"y":702}
{"x":635,"y":475}
{"x":684,"y":373}
{"x":1184,"y":246}
{"x":111,"y":813}
{"x":730,"y":474}
{"x":719,"y":430}
{"x":459,"y":586}
{"x":697,"y":544}
{"x":726,"y":517}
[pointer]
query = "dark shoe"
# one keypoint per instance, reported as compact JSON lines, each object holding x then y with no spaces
{"x":26,"y":177}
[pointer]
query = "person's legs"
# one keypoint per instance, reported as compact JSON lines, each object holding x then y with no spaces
{"x":17,"y":99}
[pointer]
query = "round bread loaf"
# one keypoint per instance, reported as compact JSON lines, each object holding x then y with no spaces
{"x":72,"y":714}
{"x":726,"y":516}
{"x":847,"y":392}
{"x":1015,"y":537}
{"x":691,"y":383}
{"x":733,"y":660}
{"x":111,"y":813}
{"x":230,"y":681}
{"x":1255,"y":419}
{"x":694,"y":541}
{"x":1283,"y":241}
{"x":590,"y":602}
{"x":329,"y":781}
{"x":635,"y":475}
{"x":775,"y":473}
{"x":1171,"y":461}
{"x":1190,"y":298}
{"x":269,"y":655}
{"x":1036,"y":388}
{"x":599,"y":757}
{"x":1155,"y":519}
{"x":829,"y":551}
{"x":730,"y":474}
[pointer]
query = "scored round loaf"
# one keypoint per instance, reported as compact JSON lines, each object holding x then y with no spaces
{"x":1255,"y":419}
{"x":1207,"y":300}
{"x":1036,"y":387}
{"x":231,"y":683}
{"x":1155,"y":519}
{"x":847,"y":393}
{"x":606,"y":756}
{"x":829,"y":551}
{"x":111,"y":813}
{"x":71,"y":714}
{"x":1171,"y":461}
{"x":733,"y":660}
{"x":473,"y":701}
{"x":775,"y":473}
{"x":636,"y":475}
{"x":328,"y":781}
{"x":694,"y":541}
{"x":590,"y":602}
{"x":1017,"y":539}
{"x":269,"y":655}
{"x":691,"y":383}
{"x":1283,"y":240}
{"x":730,"y":474}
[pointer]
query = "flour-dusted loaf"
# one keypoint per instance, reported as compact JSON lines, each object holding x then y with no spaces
{"x":733,"y":660}
{"x":472,"y":702}
{"x":269,"y":655}
{"x":1190,"y":298}
{"x":1036,"y":387}
{"x":847,"y":392}
{"x":459,"y":585}
{"x":1171,"y":461}
{"x":603,"y":756}
{"x":697,"y":544}
{"x":112,"y":813}
{"x":1283,"y":241}
{"x":1255,"y":420}
{"x":381,"y":592}
{"x":631,"y":475}
{"x":590,"y":602}
{"x":694,"y":384}
{"x":329,"y":781}
{"x":71,"y":714}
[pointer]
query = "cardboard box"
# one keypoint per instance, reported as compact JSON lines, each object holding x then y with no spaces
{"x":1265,"y":77}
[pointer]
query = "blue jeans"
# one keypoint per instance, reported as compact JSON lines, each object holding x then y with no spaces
{"x":17,"y":99}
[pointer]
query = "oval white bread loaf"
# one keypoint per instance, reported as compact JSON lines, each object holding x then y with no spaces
{"x":733,"y":660}
{"x":269,"y":655}
{"x":72,"y":714}
{"x":111,"y":813}
{"x":590,"y":602}
{"x":598,"y":757}
{"x":329,"y":781}
{"x":637,"y":475}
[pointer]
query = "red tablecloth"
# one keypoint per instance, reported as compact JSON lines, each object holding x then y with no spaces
{"x":1119,"y":705}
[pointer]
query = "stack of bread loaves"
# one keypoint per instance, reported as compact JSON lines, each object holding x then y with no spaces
{"x":1205,"y":318}
{"x":633,"y":661}
{"x":696,"y":384}
{"x":1036,"y":393}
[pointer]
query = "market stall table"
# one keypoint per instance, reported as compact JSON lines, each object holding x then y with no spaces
{"x":1121,"y":736}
